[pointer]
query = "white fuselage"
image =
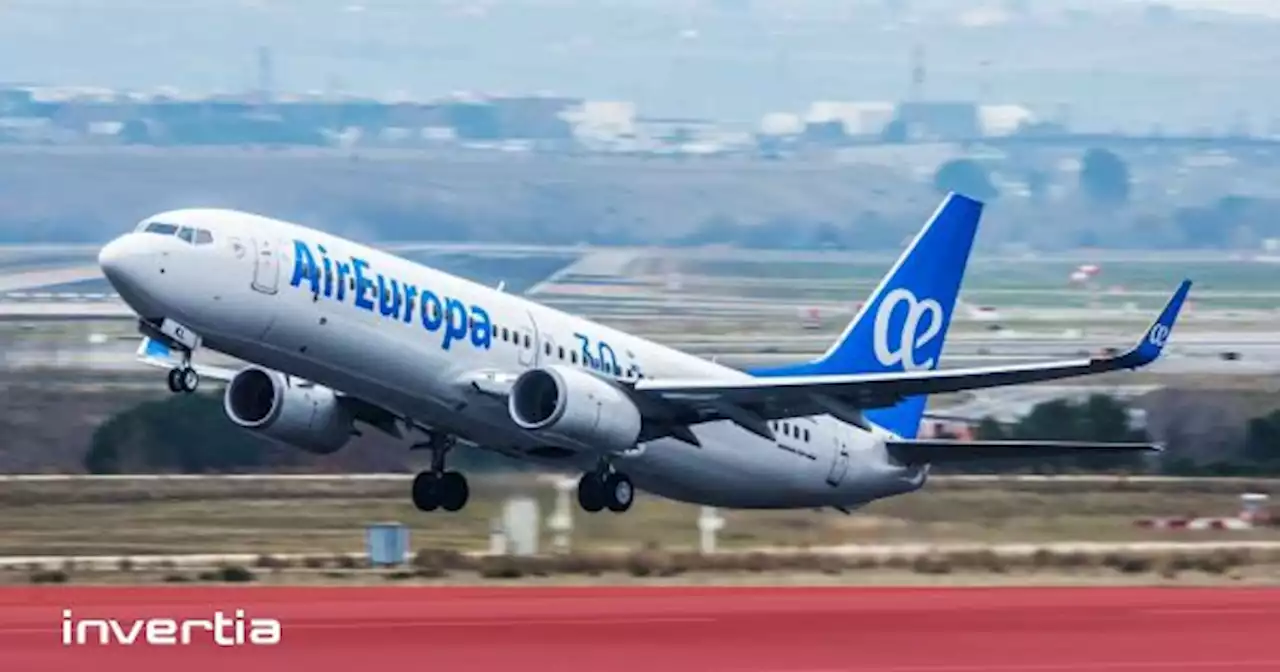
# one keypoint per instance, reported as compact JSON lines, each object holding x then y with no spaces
{"x":238,"y":294}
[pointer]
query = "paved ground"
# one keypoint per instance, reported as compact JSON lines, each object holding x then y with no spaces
{"x":703,"y":629}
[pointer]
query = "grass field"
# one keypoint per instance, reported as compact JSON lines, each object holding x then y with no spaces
{"x":167,"y":517}
{"x":1263,"y":574}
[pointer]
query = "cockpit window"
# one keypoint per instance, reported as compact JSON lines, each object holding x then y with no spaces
{"x":203,"y":237}
{"x":188,"y":234}
{"x":161,"y":228}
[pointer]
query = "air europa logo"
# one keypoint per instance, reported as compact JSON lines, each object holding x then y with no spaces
{"x":1159,"y":335}
{"x":909,"y":338}
{"x":395,"y":299}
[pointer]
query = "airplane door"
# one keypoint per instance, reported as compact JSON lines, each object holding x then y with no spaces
{"x":528,"y":356}
{"x":547,"y":350}
{"x":840,"y":464}
{"x":266,"y":266}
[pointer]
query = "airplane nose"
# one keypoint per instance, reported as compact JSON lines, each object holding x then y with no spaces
{"x":119,"y":258}
{"x":125,"y":262}
{"x":111,"y":257}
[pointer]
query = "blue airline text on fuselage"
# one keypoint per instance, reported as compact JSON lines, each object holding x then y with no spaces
{"x":395,"y":299}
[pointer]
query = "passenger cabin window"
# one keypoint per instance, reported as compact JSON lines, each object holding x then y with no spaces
{"x":528,"y":344}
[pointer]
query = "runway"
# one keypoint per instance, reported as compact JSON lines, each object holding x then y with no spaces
{"x":670,"y":629}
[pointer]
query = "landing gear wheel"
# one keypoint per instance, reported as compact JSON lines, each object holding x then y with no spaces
{"x":436,"y":488}
{"x":453,"y":491}
{"x":190,"y":380}
{"x":618,"y":491}
{"x":426,"y":491}
{"x":175,"y":380}
{"x":591,"y":492}
{"x":183,"y":380}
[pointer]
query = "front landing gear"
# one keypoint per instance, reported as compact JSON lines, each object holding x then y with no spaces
{"x":183,"y":379}
{"x":170,"y":336}
{"x":603,"y":489}
{"x":437,"y":488}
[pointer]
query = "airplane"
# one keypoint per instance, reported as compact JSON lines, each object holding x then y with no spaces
{"x":336,"y":335}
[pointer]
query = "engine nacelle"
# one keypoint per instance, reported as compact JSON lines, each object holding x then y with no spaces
{"x":577,"y":405}
{"x":307,"y":416}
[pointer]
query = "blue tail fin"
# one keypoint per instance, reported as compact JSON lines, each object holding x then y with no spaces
{"x":903,"y":324}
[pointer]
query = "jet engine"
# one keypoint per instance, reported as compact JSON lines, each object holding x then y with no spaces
{"x":302,"y":415}
{"x":577,"y":405}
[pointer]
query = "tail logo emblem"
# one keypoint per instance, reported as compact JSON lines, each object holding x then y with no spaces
{"x":1159,"y":335}
{"x":910,"y":338}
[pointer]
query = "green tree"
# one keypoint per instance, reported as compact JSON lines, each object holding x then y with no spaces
{"x":967,"y":177}
{"x":990,"y":429}
{"x":191,"y":434}
{"x":1104,"y":178}
{"x":1038,"y":184}
{"x":1262,"y":440}
{"x":182,"y":433}
{"x":1097,"y":418}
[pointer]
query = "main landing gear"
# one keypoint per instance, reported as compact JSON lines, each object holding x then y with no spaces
{"x":605,"y":488}
{"x":437,"y":488}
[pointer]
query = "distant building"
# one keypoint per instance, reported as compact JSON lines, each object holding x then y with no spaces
{"x":864,"y":118}
{"x":1000,"y":120}
{"x":940,"y":120}
{"x":602,"y":122}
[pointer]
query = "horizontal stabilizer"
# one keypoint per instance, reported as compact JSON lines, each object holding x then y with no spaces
{"x":941,"y":451}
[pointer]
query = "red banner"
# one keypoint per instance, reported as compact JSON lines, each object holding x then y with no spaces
{"x":618,"y":629}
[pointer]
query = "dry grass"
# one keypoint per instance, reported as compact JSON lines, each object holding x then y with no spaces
{"x":159,"y":517}
{"x":655,"y":565}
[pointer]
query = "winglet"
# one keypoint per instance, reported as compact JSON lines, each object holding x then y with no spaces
{"x":1153,"y":341}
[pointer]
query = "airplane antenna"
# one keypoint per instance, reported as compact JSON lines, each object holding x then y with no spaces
{"x":501,"y":284}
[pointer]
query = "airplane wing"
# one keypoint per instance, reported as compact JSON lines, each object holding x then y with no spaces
{"x":937,"y":451}
{"x":803,"y":394}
